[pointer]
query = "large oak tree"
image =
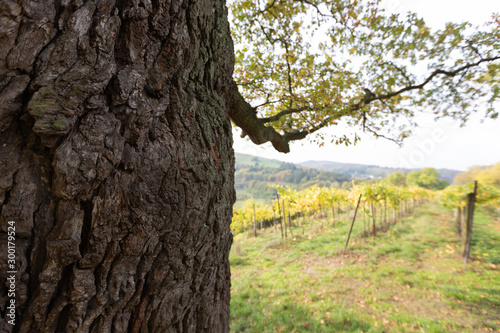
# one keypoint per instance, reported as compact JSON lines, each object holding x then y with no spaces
{"x":116,"y":162}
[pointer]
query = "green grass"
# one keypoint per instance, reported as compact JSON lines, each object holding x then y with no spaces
{"x":409,"y":278}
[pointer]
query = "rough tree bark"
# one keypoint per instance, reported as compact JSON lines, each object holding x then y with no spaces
{"x":116,"y":164}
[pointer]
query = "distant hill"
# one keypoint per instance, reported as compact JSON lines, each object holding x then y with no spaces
{"x":253,"y":175}
{"x":361,"y":171}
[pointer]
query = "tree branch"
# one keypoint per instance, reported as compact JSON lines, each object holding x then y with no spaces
{"x":284,"y":113}
{"x":378,"y":135}
{"x":367,"y":99}
{"x":245,"y":117}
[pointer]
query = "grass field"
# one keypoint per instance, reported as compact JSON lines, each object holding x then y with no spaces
{"x":409,"y":278}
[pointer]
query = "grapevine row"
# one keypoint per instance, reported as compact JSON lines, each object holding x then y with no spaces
{"x":379,"y":201}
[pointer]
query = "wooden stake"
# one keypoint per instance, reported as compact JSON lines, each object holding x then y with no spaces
{"x":290,"y":222}
{"x":274,"y":220}
{"x":459,"y":220}
{"x":471,"y":201}
{"x":254,"y":223}
{"x":333,"y":216}
{"x":279,"y":215}
{"x":372,"y":215}
{"x":284,"y":216}
{"x":352,"y":224}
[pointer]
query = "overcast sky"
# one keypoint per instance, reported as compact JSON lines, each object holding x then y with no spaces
{"x":439,"y":144}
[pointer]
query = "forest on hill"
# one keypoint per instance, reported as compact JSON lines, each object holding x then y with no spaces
{"x":363,"y":171}
{"x":254,"y":175}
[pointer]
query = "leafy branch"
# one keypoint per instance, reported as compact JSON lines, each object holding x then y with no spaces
{"x":298,"y":90}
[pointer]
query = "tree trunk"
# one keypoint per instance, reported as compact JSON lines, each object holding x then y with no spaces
{"x":116,"y":164}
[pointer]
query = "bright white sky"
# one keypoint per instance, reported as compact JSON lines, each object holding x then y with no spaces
{"x":438,"y":144}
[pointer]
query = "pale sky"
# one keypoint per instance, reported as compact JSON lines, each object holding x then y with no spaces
{"x":438,"y":144}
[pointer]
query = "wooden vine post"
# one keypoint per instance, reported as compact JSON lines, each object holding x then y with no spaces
{"x":279,"y":215}
{"x":458,"y":220}
{"x":274,"y":221}
{"x":471,"y":201}
{"x":372,"y":216}
{"x":303,"y":222}
{"x":284,"y":216}
{"x":333,"y":216}
{"x":352,"y":224}
{"x":254,"y":222}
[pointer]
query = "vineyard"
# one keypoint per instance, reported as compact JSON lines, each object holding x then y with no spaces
{"x":408,"y":279}
{"x":291,"y":271}
{"x":377,"y":205}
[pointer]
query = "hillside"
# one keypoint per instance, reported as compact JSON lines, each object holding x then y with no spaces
{"x":362,"y":171}
{"x":254,"y":174}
